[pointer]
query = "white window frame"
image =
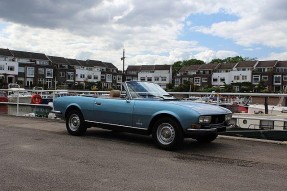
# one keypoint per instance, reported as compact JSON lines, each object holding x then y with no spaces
{"x":274,"y":79}
{"x":49,"y":73}
{"x":30,"y":72}
{"x":11,"y":68}
{"x":255,"y":77}
{"x":264,"y":78}
{"x":70,"y":75}
{"x":163,"y":79}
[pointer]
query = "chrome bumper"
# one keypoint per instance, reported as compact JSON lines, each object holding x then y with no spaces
{"x":216,"y":129}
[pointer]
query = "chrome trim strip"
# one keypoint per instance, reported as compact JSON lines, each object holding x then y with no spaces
{"x":211,"y":129}
{"x":117,"y":125}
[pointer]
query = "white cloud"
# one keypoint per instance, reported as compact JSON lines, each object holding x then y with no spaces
{"x":277,"y":56}
{"x":255,"y":24}
{"x":208,"y":55}
{"x":148,"y":30}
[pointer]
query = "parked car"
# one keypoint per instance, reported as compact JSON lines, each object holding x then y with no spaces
{"x":145,"y":108}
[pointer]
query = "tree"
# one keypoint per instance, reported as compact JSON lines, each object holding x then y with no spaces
{"x":234,"y":59}
{"x":179,"y":64}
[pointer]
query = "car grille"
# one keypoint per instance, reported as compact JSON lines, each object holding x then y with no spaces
{"x":216,"y":119}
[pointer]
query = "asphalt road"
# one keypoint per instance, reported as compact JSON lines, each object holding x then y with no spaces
{"x":38,"y":154}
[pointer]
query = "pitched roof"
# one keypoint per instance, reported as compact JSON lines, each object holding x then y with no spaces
{"x":269,"y":63}
{"x":282,"y":64}
{"x":246,"y":64}
{"x":82,"y":62}
{"x":58,"y":60}
{"x":208,"y":66}
{"x":30,"y":55}
{"x":109,"y":65}
{"x":189,"y":68}
{"x":93,"y":63}
{"x":5,"y":52}
{"x":227,"y":66}
{"x":162,"y":67}
{"x":133,"y":68}
{"x":147,"y":67}
{"x":73,"y":62}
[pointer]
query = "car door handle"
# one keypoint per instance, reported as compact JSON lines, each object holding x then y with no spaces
{"x":98,"y":103}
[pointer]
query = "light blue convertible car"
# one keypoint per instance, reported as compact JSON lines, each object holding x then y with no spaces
{"x":145,"y":108}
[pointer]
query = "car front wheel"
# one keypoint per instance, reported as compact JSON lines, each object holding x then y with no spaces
{"x":167,"y":133}
{"x":75,"y":123}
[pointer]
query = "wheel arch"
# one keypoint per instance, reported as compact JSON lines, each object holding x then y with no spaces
{"x":72,"y":107}
{"x":162,"y":115}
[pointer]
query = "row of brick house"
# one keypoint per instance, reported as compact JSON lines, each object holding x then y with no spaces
{"x":273,"y":73}
{"x":31,"y":69}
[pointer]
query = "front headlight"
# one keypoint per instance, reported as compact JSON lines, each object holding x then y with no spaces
{"x":228,"y":117}
{"x":204,"y":119}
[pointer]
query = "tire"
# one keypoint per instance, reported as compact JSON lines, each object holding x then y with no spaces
{"x":207,"y":138}
{"x":167,"y":134}
{"x":75,"y":123}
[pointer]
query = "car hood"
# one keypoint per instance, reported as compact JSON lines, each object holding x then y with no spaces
{"x":201,"y":108}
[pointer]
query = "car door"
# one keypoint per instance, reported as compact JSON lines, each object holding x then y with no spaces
{"x":113,"y":111}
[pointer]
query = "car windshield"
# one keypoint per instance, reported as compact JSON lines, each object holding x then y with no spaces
{"x":142,"y":90}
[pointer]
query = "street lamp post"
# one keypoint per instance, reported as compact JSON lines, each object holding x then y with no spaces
{"x":123,"y":59}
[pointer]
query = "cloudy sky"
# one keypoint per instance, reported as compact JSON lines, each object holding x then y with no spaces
{"x":151,"y":31}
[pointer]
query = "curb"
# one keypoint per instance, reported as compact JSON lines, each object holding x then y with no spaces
{"x":253,"y":139}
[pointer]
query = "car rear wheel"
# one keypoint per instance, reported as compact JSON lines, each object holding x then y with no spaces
{"x":207,"y":138}
{"x":75,"y":123}
{"x":167,"y":134}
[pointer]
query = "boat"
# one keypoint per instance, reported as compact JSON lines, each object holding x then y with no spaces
{"x":16,"y":94}
{"x":260,"y":126}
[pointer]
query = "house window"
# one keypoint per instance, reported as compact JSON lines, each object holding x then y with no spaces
{"x":156,"y":79}
{"x":89,"y":76}
{"x":204,"y":79}
{"x":236,"y":78}
{"x":41,"y":70}
{"x":184,"y":80}
{"x":96,"y":77}
{"x":49,"y":83}
{"x":62,"y":74}
{"x":103,"y":76}
{"x":11,"y":68}
{"x":20,"y":69}
{"x":142,"y":79}
{"x":49,"y":73}
{"x":149,"y":79}
{"x":285,"y":78}
{"x":264,"y":78}
{"x":244,"y":77}
{"x":114,"y":77}
{"x":256,"y":79}
{"x":1,"y":67}
{"x":30,"y":71}
{"x":109,"y":78}
{"x":128,"y":78}
{"x":177,"y":81}
{"x":29,"y":82}
{"x":40,"y":81}
{"x":82,"y":76}
{"x":277,"y":79}
{"x":163,"y":79}
{"x":70,"y":75}
{"x":222,"y":79}
{"x":196,"y":80}
{"x":214,"y":79}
